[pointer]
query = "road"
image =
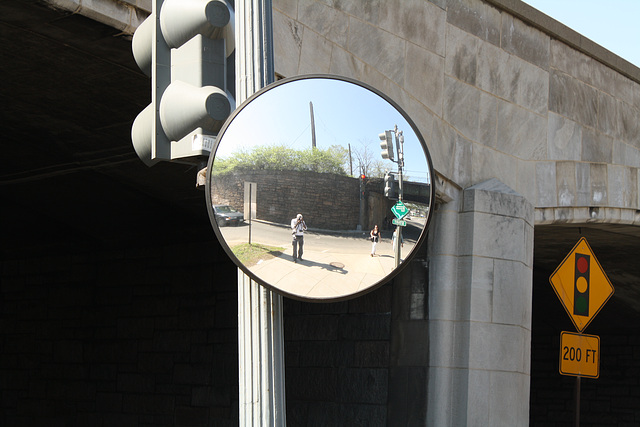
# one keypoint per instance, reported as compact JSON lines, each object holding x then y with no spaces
{"x":334,"y":265}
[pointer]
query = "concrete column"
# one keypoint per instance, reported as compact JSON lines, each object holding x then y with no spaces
{"x":480,"y":293}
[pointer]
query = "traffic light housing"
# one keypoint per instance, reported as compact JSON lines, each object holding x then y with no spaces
{"x":182,"y":47}
{"x":581,"y":285}
{"x":386,"y":144}
{"x":389,"y":186}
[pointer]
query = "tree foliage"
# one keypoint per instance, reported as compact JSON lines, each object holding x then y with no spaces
{"x":282,"y":158}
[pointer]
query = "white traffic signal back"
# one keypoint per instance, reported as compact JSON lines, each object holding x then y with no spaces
{"x":386,"y":144}
{"x":187,"y":65}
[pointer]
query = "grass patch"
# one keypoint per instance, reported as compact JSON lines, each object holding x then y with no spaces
{"x":249,"y":255}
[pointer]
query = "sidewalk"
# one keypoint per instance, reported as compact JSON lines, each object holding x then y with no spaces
{"x":326,"y":275}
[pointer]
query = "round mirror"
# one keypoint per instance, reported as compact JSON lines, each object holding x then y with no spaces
{"x":319,"y":187}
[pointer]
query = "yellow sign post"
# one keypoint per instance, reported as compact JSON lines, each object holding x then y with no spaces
{"x":581,"y":285}
{"x":579,"y":355}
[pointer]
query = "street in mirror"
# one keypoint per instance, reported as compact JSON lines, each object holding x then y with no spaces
{"x":301,"y":162}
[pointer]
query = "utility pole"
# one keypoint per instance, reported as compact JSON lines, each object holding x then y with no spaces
{"x":313,"y":127}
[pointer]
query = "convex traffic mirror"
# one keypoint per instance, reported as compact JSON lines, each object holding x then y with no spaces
{"x":300,"y":175}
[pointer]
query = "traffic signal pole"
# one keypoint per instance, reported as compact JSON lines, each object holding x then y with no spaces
{"x":400,"y":150}
{"x":260,"y":326}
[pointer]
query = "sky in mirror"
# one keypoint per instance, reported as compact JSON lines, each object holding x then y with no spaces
{"x":344,"y":114}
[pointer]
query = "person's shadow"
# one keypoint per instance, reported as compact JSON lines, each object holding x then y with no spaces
{"x":332,"y":267}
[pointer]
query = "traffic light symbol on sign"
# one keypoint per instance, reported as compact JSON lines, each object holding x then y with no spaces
{"x":581,"y":285}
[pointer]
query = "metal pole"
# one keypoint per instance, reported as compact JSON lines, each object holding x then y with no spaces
{"x":260,"y":330}
{"x":577,"y":408}
{"x":400,"y":150}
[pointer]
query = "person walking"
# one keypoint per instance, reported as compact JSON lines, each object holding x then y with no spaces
{"x":375,"y":236}
{"x":298,"y":227}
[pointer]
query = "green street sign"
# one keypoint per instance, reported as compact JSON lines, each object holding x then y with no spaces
{"x":399,"y":209}
{"x":399,"y":222}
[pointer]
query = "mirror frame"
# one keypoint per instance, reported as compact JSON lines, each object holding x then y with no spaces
{"x":254,"y":277}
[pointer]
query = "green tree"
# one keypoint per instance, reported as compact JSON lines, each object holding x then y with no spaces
{"x":280,"y":157}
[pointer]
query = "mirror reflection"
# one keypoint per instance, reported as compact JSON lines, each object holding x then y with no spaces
{"x":304,"y":184}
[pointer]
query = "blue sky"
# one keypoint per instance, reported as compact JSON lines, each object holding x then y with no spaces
{"x":613,"y":24}
{"x":344,"y":113}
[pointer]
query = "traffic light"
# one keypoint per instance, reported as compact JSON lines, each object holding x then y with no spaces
{"x":581,"y":285}
{"x":389,"y":185}
{"x":386,"y":144}
{"x":181,"y":46}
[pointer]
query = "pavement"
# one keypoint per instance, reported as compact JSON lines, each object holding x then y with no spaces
{"x":333,"y":266}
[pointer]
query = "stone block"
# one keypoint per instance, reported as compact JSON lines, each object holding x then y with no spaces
{"x":407,"y":396}
{"x":476,"y":17}
{"x":623,"y":185}
{"x":372,"y":354}
{"x":525,"y":41}
{"x":368,"y":11}
{"x":372,"y":327}
{"x":512,"y":290}
{"x":598,"y":185}
{"x":319,"y":384}
{"x":441,"y":347}
{"x":498,"y":347}
{"x":326,"y":21}
{"x":546,"y":184}
{"x":440,"y":397}
{"x":441,"y":151}
{"x":489,"y":120}
{"x":476,"y":279}
{"x":564,"y":138}
{"x":378,"y":48}
{"x":287,"y":41}
{"x":345,"y":64}
{"x":363,"y":385}
{"x":521,"y":133}
{"x":596,"y":147}
{"x":494,"y":236}
{"x":461,"y":106}
{"x":418,"y":21}
{"x":566,"y":183}
{"x":571,"y":98}
{"x":526,"y":175}
{"x":461,"y":60}
{"x":509,"y":400}
{"x":489,"y":163}
{"x":428,"y":90}
{"x":512,"y":78}
{"x":628,"y":125}
{"x":496,"y":198}
{"x":625,"y":154}
{"x":287,"y":7}
{"x":311,"y":328}
{"x":315,"y":54}
{"x":478,"y":399}
{"x":411,"y":344}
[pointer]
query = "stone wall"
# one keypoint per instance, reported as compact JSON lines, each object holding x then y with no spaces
{"x":128,"y":337}
{"x":148,"y":336}
{"x":497,"y":90}
{"x":327,"y":201}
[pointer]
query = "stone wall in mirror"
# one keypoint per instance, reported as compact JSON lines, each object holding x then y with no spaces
{"x":297,"y":181}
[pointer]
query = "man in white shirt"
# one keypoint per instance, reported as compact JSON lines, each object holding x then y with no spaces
{"x":298,"y":227}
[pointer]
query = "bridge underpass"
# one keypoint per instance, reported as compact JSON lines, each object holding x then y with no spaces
{"x":71,"y":182}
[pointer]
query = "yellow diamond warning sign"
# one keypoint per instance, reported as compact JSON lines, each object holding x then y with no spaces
{"x":581,"y":284}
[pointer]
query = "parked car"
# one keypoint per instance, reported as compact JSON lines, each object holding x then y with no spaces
{"x":226,"y":215}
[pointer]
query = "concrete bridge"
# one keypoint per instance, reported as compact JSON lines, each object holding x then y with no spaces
{"x":534,"y":132}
